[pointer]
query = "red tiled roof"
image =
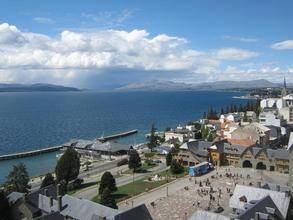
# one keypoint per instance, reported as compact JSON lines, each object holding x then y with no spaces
{"x":241,"y":141}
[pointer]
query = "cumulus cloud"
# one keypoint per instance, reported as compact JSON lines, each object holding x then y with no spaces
{"x":235,"y":54}
{"x":76,"y":57}
{"x":283,"y":45}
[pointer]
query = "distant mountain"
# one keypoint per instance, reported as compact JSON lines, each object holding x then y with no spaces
{"x":156,"y":85}
{"x":39,"y":87}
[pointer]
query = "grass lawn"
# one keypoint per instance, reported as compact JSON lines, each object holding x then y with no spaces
{"x":143,"y":169}
{"x":82,"y":186}
{"x":134,"y":188}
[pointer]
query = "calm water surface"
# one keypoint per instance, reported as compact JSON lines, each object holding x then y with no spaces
{"x":36,"y":120}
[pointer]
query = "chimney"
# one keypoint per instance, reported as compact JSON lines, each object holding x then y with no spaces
{"x":59,"y":203}
{"x":278,"y":188}
{"x":58,"y":189}
{"x":259,"y":184}
{"x":256,"y":216}
{"x":51,"y":201}
{"x":45,"y":192}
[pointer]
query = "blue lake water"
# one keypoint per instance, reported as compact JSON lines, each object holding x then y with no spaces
{"x":37,"y":120}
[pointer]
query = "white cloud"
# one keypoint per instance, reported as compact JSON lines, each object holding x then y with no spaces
{"x":283,"y":45}
{"x":241,"y":39}
{"x":44,"y":20}
{"x":109,"y":18}
{"x":235,"y":54}
{"x":76,"y":57}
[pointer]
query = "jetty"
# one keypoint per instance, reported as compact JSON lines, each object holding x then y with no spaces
{"x":57,"y":148}
{"x":30,"y":153}
{"x":114,"y":136}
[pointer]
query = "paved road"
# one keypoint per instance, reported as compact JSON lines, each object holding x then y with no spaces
{"x":94,"y":170}
{"x":90,"y":192}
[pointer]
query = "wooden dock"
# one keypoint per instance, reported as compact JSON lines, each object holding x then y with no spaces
{"x":114,"y":136}
{"x":29,"y":153}
{"x":56,"y":148}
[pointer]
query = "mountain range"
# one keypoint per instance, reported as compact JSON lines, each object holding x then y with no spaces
{"x":39,"y":87}
{"x":156,"y":85}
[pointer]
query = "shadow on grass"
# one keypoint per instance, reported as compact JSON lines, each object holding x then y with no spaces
{"x":121,"y":196}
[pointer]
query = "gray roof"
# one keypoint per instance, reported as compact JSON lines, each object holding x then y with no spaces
{"x":280,"y":199}
{"x":14,"y":197}
{"x":234,"y":148}
{"x":265,"y":206}
{"x":276,"y":187}
{"x":137,"y":213}
{"x":278,"y":153}
{"x":51,"y":216}
{"x":109,"y":146}
{"x":84,"y":144}
{"x":80,"y":209}
{"x":33,"y":197}
{"x":201,"y":215}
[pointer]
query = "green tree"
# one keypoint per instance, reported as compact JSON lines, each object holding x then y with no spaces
{"x":134,"y":161}
{"x":107,"y":181}
{"x":245,"y":118}
{"x":48,"y":180}
{"x":18,"y":179}
{"x":210,"y":137}
{"x":5,"y":211}
{"x":153,"y":139}
{"x":176,"y":167}
{"x":107,"y":199}
{"x":204,"y":131}
{"x":68,"y":165}
{"x":62,"y":188}
{"x":169,"y":159}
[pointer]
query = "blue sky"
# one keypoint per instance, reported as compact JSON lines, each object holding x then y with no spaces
{"x":95,"y":44}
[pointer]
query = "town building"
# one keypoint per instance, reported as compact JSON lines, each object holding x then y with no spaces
{"x":259,"y":203}
{"x":47,"y":204}
{"x":193,"y":152}
{"x":255,"y":132}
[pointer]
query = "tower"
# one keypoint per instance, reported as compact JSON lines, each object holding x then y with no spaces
{"x":284,"y":90}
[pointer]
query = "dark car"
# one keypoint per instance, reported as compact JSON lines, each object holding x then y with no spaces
{"x":219,"y":209}
{"x":122,"y":162}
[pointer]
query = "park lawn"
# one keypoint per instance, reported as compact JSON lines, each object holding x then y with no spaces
{"x":137,"y":187}
{"x":143,"y":169}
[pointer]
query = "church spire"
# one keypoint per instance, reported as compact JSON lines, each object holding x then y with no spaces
{"x":284,"y":90}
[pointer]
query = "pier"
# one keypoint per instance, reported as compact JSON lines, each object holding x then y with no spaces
{"x":57,"y":148}
{"x":114,"y":136}
{"x":29,"y":153}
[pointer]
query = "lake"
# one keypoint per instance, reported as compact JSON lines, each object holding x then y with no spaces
{"x":37,"y":120}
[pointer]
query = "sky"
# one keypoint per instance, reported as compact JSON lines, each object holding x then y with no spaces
{"x":108,"y":44}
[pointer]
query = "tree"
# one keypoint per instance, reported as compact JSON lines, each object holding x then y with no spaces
{"x":107,"y":199}
{"x":134,"y":161}
{"x":107,"y":181}
{"x":5,"y":212}
{"x":68,"y":165}
{"x":210,"y":137}
{"x":245,"y":118}
{"x":48,"y":180}
{"x":204,"y":131}
{"x":176,"y":167}
{"x":169,"y":159}
{"x":153,"y":139}
{"x":18,"y":179}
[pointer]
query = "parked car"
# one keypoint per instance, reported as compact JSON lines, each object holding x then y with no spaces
{"x":122,"y":162}
{"x":157,"y":161}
